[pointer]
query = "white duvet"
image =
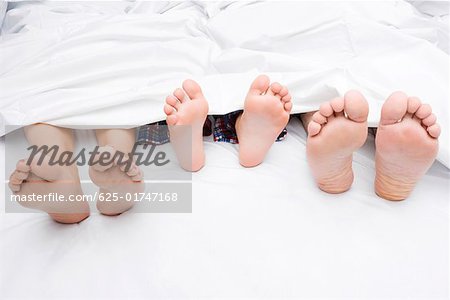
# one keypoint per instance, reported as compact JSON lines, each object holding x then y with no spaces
{"x":113,"y":63}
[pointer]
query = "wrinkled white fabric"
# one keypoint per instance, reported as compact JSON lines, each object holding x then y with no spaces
{"x":432,"y":8}
{"x":113,"y":63}
{"x":3,"y":6}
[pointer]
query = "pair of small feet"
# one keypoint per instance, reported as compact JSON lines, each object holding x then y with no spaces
{"x":266,"y":112}
{"x":406,"y":143}
{"x":42,"y":179}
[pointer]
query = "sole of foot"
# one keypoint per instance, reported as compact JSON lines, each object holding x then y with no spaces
{"x":45,"y":180}
{"x":406,"y":145}
{"x":114,"y":179}
{"x":186,"y":111}
{"x":266,"y":113}
{"x":336,"y":130}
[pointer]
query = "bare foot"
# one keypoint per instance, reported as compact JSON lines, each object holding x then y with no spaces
{"x":186,"y":112}
{"x":406,"y":145}
{"x":45,"y":180}
{"x":115,"y":183}
{"x":266,"y":113}
{"x":334,"y":133}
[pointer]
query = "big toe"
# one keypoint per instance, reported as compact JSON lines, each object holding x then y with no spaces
{"x":394,"y":108}
{"x":356,"y":106}
{"x":192,"y":89}
{"x":260,"y":85}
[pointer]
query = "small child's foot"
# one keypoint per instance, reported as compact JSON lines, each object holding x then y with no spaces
{"x":335,"y":132}
{"x":186,"y":112}
{"x":114,"y":179}
{"x":406,"y":145}
{"x":266,"y":113}
{"x":44,"y":180}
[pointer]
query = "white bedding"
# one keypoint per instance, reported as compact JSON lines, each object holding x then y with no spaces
{"x":113,"y":63}
{"x":275,"y":235}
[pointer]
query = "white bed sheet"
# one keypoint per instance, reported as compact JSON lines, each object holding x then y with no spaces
{"x":264,"y":232}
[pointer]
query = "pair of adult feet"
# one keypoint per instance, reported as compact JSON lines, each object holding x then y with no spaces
{"x":406,"y":140}
{"x":406,"y":143}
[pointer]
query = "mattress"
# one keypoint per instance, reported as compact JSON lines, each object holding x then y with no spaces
{"x":259,"y":232}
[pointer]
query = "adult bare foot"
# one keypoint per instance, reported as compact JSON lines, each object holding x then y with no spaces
{"x":266,"y":113}
{"x":116,"y":183}
{"x":43,"y":181}
{"x":334,"y":133}
{"x":406,"y":145}
{"x":186,"y":112}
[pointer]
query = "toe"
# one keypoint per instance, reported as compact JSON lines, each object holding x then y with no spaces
{"x":394,"y":108}
{"x":286,"y":98}
{"x":192,"y":89}
{"x":180,"y":95}
{"x":356,"y":106}
{"x":172,"y":120}
{"x":413,"y":104}
{"x":133,"y":171}
{"x":337,"y":104}
{"x":174,"y":102}
{"x":14,"y":187}
{"x":319,"y":118}
{"x":424,"y":111}
{"x":434,"y":130}
{"x":21,"y":175}
{"x":288,"y":106}
{"x":22,"y":166}
{"x":284,"y":92}
{"x":260,"y":85}
{"x":313,"y":128}
{"x":430,"y":120}
{"x":275,"y":89}
{"x":325,"y":109}
{"x":139,"y":176}
{"x":16,"y":178}
{"x":168,"y":109}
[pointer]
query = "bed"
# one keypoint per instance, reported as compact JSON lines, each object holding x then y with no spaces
{"x":265,"y":232}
